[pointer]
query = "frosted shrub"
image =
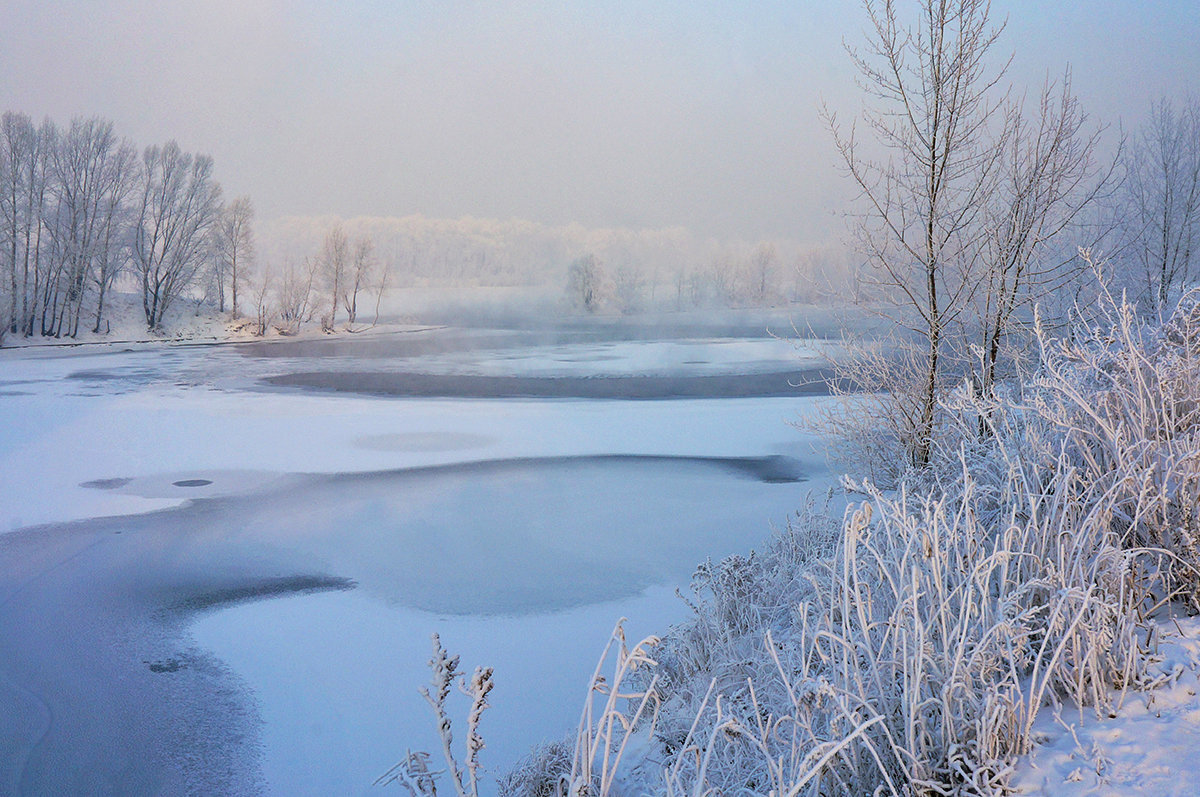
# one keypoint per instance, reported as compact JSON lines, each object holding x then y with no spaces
{"x":909,"y":647}
{"x":878,"y":431}
{"x":545,"y":772}
{"x":413,"y":772}
{"x":911,"y":650}
{"x":1125,"y":399}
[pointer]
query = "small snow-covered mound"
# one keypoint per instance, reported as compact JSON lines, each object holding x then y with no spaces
{"x":1147,"y":747}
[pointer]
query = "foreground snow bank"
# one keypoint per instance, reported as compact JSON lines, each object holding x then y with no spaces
{"x":1144,"y":747}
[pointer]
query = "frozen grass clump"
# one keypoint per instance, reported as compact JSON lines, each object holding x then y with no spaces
{"x":545,"y":772}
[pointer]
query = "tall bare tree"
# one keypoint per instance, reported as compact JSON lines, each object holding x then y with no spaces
{"x":24,"y":170}
{"x":113,"y":251}
{"x":92,"y":180}
{"x":235,"y":249}
{"x":586,"y":280}
{"x":934,"y":94}
{"x":1049,"y":174}
{"x":763,"y":264}
{"x":294,"y":294}
{"x":1163,"y":203}
{"x":334,"y":262}
{"x":383,"y":279}
{"x":359,"y":276}
{"x":171,"y":242}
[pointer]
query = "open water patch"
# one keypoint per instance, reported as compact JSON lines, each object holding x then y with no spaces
{"x":811,"y":382}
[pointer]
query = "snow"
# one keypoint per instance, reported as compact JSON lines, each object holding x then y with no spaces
{"x":1148,"y":749}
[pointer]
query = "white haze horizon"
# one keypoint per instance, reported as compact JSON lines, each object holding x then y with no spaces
{"x":702,"y":116}
{"x":292,"y":239}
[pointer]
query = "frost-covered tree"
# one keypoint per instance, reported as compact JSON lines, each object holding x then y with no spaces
{"x":113,"y":250}
{"x":964,"y":194}
{"x":763,"y":264}
{"x":234,"y":244}
{"x":295,"y":297}
{"x":178,"y":206}
{"x":1162,"y":203}
{"x":362,"y":268}
{"x":932,"y":85}
{"x":383,"y":282}
{"x":629,"y":287}
{"x":93,"y":177}
{"x":334,"y":262}
{"x":586,"y":283}
{"x":1047,"y":176}
{"x":23,"y":178}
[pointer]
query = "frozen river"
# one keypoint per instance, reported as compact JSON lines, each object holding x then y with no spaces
{"x":221,"y":572}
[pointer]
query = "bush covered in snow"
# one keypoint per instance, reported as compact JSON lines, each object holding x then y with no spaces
{"x":908,"y":647}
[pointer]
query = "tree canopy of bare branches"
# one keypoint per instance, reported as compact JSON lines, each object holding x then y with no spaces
{"x":362,"y":268}
{"x":171,"y":242}
{"x":933,"y":90}
{"x":23,"y":171}
{"x":586,"y":283}
{"x":64,"y":220}
{"x":1162,"y":207}
{"x":235,"y":250}
{"x":1049,"y":173}
{"x":961,"y":190}
{"x":334,"y":263}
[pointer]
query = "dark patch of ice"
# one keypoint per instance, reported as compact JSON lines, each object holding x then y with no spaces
{"x":192,"y":482}
{"x":106,"y":484}
{"x":265,"y":588}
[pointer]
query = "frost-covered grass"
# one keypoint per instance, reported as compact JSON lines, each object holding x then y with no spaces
{"x":911,"y":646}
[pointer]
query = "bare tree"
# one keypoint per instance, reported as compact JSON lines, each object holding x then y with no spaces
{"x":178,"y":207}
{"x":933,"y":91}
{"x":235,"y":249}
{"x":24,"y":167}
{"x":1048,"y":175}
{"x":93,"y":175}
{"x":334,"y":261}
{"x":763,"y":263}
{"x":722,"y":276}
{"x":361,"y":268}
{"x":113,"y":248}
{"x":260,"y":295}
{"x":586,"y":283}
{"x":294,"y":299}
{"x":1163,"y":202}
{"x":628,"y":288}
{"x":383,"y":275}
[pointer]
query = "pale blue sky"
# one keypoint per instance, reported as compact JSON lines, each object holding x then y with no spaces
{"x":699,"y":114}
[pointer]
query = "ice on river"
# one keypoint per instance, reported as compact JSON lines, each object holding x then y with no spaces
{"x":520,"y":530}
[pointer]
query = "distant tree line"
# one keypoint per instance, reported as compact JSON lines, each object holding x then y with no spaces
{"x":324,"y":287}
{"x":80,"y":209}
{"x":756,"y":276}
